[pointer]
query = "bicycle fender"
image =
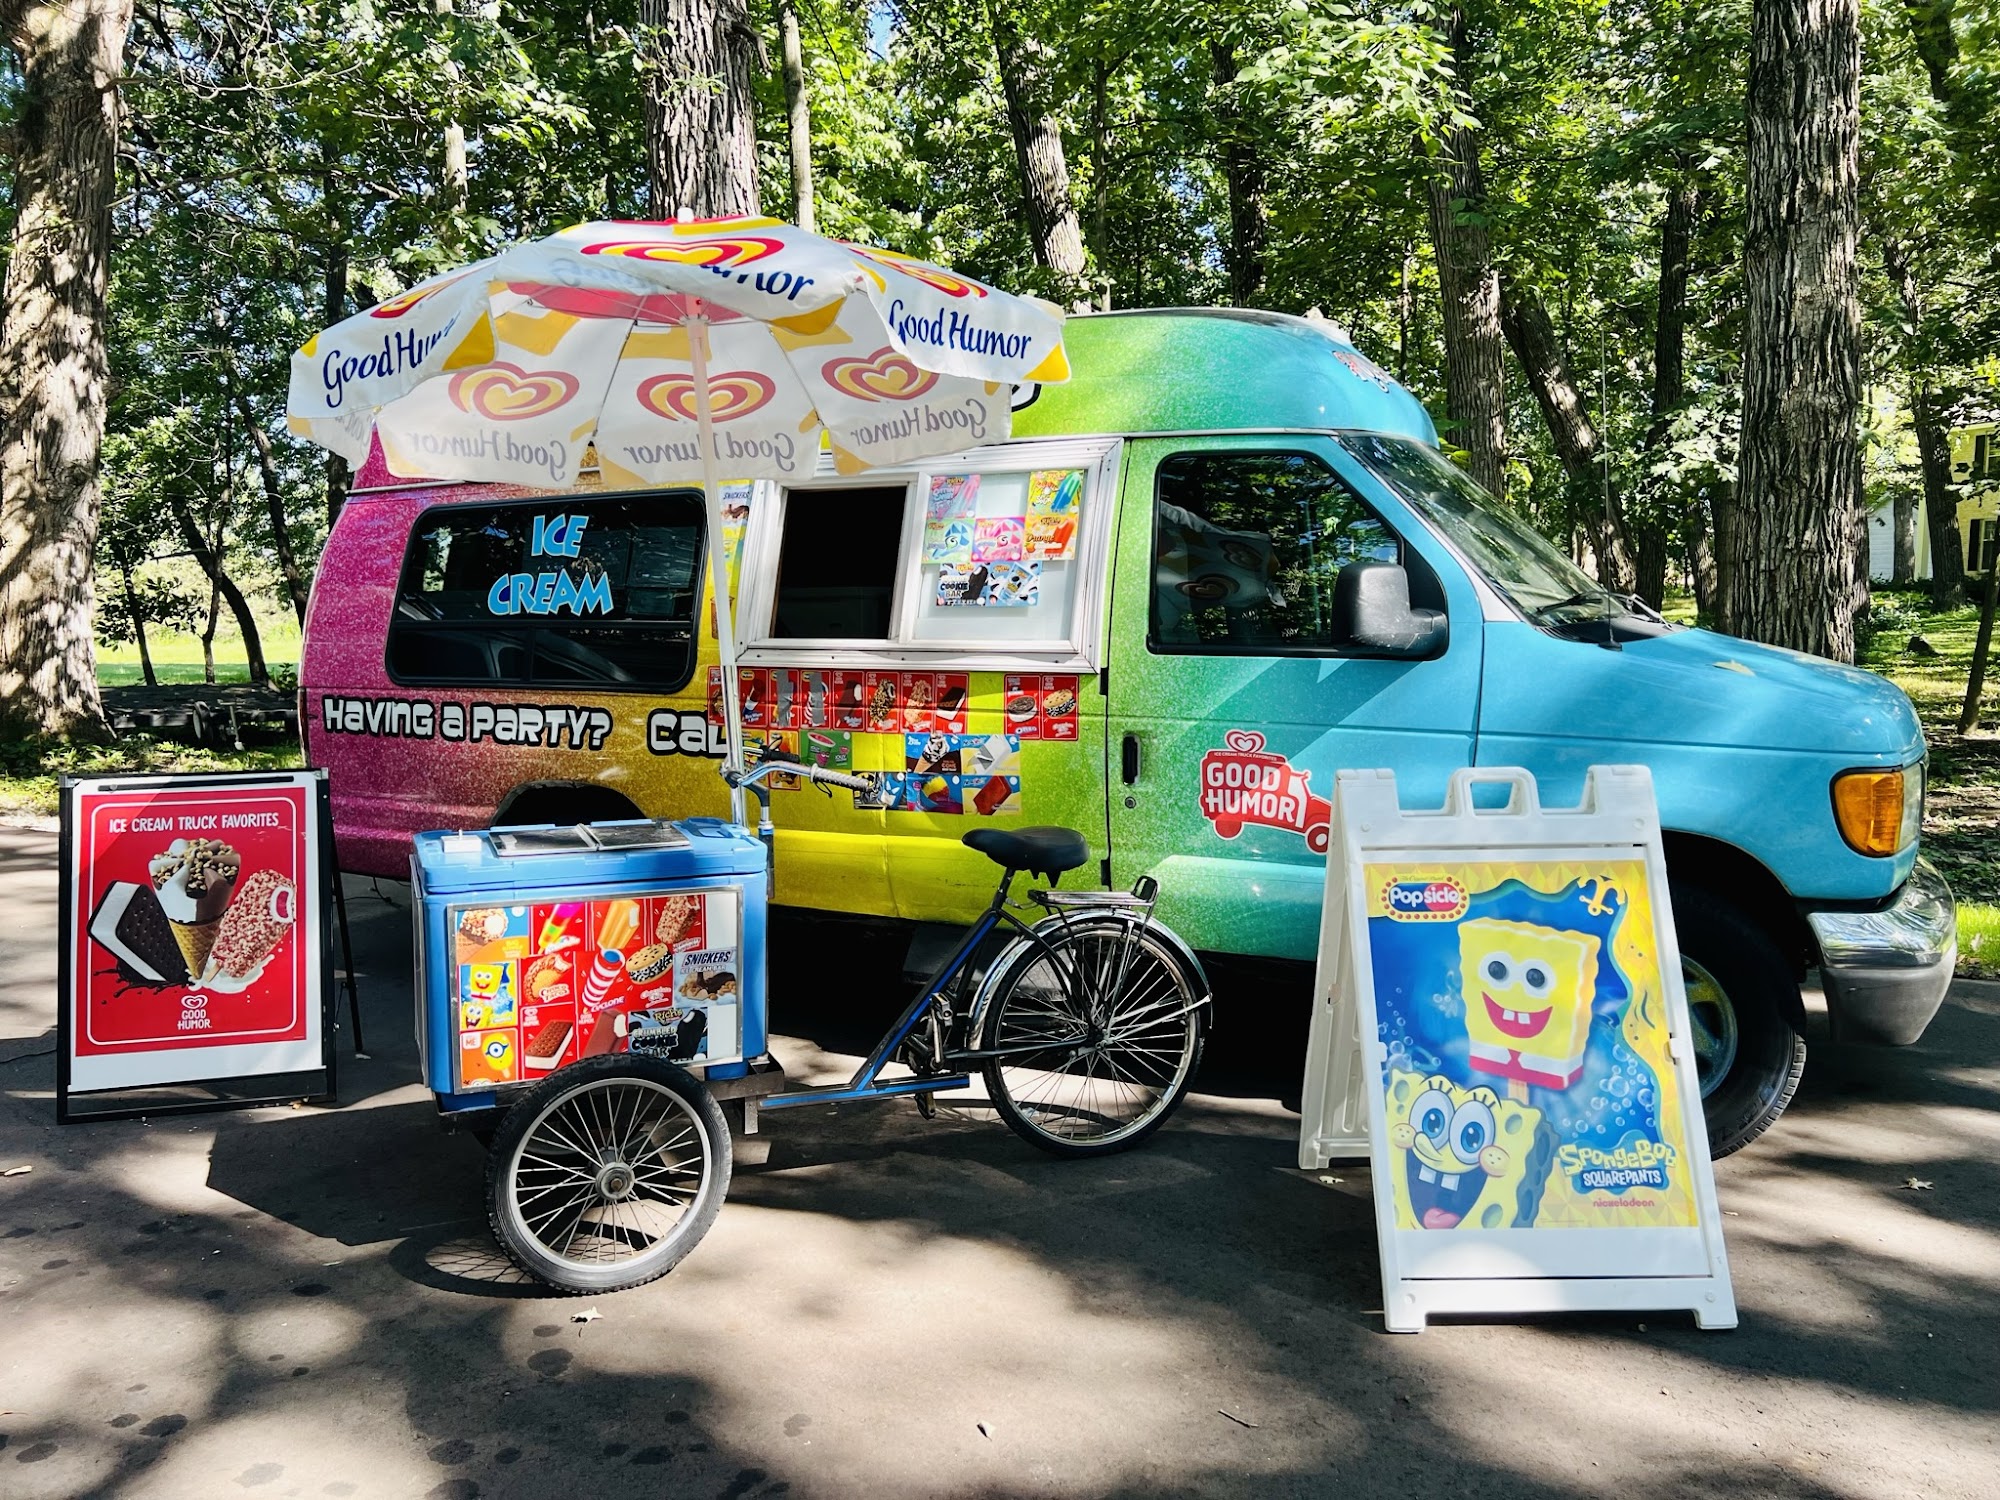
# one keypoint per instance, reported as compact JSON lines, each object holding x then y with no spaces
{"x":1020,"y":948}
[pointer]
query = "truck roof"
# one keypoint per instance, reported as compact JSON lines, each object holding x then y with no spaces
{"x":1217,"y":369}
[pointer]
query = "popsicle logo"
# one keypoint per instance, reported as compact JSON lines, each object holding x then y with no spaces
{"x":884,"y":375}
{"x":716,"y":253}
{"x":920,"y":270}
{"x":733,"y":394}
{"x":1246,"y":784}
{"x":507,"y":393}
{"x":1424,"y":900}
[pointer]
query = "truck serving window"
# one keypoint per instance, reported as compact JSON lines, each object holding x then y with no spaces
{"x":1246,"y":547}
{"x":837,"y":564}
{"x":582,"y":593}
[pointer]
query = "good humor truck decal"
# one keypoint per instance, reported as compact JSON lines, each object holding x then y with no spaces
{"x":1246,"y":783}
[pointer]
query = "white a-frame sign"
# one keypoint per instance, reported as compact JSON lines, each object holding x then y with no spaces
{"x":1499,"y":1026}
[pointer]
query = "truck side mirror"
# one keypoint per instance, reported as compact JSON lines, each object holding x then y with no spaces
{"x":1371,"y":611}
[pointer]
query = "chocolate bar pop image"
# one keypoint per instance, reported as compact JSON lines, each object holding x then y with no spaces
{"x":193,"y":880}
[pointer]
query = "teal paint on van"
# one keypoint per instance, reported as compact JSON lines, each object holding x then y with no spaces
{"x":1219,"y":371}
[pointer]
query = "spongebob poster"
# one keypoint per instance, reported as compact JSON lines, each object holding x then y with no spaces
{"x":1522,"y":1018}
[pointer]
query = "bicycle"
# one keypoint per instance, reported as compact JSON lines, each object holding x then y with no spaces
{"x":1087,"y":1027}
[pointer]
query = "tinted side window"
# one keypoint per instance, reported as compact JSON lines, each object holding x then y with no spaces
{"x":1246,"y":547}
{"x":555,"y":591}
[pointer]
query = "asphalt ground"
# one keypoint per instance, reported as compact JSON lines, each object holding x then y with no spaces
{"x":306,"y":1302}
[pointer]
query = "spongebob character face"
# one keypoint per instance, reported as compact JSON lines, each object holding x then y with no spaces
{"x":1462,"y":1157}
{"x":1527,"y":999}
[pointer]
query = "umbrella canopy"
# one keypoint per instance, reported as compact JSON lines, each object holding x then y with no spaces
{"x":696,"y":350}
{"x":510,"y":368}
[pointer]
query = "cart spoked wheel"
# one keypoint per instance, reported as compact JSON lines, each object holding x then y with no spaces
{"x":604,"y":1175}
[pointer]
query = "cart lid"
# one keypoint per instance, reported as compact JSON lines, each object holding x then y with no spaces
{"x":559,"y":856}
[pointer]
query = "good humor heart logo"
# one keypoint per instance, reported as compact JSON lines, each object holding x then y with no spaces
{"x":884,"y":375}
{"x":508,"y":393}
{"x":721,"y":253}
{"x":920,"y":270}
{"x":733,"y":394}
{"x":1244,"y":741}
{"x":395,"y":307}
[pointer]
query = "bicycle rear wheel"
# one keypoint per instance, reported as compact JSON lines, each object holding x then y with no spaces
{"x":607,"y":1174}
{"x":1103,"y":1028}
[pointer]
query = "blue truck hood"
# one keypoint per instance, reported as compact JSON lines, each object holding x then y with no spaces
{"x":1694,"y":687}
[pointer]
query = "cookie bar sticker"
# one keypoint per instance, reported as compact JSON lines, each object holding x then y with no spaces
{"x":1247,"y":784}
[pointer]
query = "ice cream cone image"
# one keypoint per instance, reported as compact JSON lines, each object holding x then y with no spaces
{"x":193,"y":880}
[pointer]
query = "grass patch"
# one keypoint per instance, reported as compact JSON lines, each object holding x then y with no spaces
{"x":1978,"y":939}
{"x":29,"y":770}
{"x":177,"y":655}
{"x":1962,"y":816}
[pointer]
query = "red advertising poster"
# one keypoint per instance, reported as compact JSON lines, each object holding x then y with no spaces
{"x":194,"y":916}
{"x":541,"y":985}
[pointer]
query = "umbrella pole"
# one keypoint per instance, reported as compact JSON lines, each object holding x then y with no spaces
{"x":718,"y":562}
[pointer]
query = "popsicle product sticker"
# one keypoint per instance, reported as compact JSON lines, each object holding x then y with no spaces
{"x":949,"y":525}
{"x":931,"y":754}
{"x":548,"y":978}
{"x":993,"y":796}
{"x":991,"y":754}
{"x":1055,"y":498}
{"x":487,"y":1058}
{"x":558,"y":928}
{"x":548,"y":1035}
{"x":998,"y":539}
{"x":884,"y":711}
{"x":850,"y":699}
{"x":754,"y":687}
{"x":679,"y":921}
{"x":919,"y":694}
{"x":1012,"y":585}
{"x":954,"y":698}
{"x":812,"y":703}
{"x":487,"y":995}
{"x":831,"y":748}
{"x":1040,"y":707}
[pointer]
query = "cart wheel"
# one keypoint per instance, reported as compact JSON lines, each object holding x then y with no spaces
{"x":608,"y":1172}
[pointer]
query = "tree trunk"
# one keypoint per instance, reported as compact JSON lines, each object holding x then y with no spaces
{"x":1975,"y":682}
{"x":1903,"y":540}
{"x":274,"y":501}
{"x":138,"y":614}
{"x":1243,"y":174}
{"x":1469,"y":286}
{"x":1405,"y":310}
{"x":208,"y":631}
{"x":53,"y":365}
{"x":1792,"y":576}
{"x":798,"y":115}
{"x":701,"y":129}
{"x":1027,"y":65}
{"x":1701,"y":570}
{"x":1933,"y":441}
{"x":1533,"y":338}
{"x":210,"y":561}
{"x":1652,"y":531}
{"x":339,"y":477}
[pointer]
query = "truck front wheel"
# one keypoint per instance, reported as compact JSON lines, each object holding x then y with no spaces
{"x":1739,"y":990}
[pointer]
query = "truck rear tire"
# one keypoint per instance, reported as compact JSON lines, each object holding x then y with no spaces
{"x":1740,"y":989}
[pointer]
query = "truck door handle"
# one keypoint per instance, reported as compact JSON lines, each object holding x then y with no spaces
{"x":1129,"y":766}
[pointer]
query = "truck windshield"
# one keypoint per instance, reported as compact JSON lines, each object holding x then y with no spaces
{"x":1518,"y":560}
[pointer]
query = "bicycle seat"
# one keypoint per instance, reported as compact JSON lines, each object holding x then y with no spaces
{"x":1039,"y":851}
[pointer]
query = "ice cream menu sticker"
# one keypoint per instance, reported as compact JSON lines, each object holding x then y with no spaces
{"x":194,"y":915}
{"x":538,"y":985}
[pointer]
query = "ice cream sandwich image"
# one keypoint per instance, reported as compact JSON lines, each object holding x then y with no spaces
{"x":130,"y":926}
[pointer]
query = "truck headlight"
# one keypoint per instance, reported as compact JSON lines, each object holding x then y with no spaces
{"x":1879,"y":812}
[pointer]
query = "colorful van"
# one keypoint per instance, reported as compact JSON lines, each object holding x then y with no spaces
{"x":1223,"y":562}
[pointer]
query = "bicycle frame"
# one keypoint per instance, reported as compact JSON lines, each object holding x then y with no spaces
{"x":867,"y":1082}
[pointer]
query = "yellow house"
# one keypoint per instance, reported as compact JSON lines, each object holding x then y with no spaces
{"x":1975,"y":468}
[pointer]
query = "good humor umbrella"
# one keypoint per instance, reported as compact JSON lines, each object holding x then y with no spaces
{"x":693,"y":350}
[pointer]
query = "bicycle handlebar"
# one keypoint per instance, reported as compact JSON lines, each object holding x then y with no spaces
{"x":769,"y":765}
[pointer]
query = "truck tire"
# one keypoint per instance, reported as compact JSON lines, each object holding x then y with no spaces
{"x":1740,"y":989}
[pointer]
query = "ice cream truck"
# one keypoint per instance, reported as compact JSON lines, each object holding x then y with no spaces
{"x":1224,"y":561}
